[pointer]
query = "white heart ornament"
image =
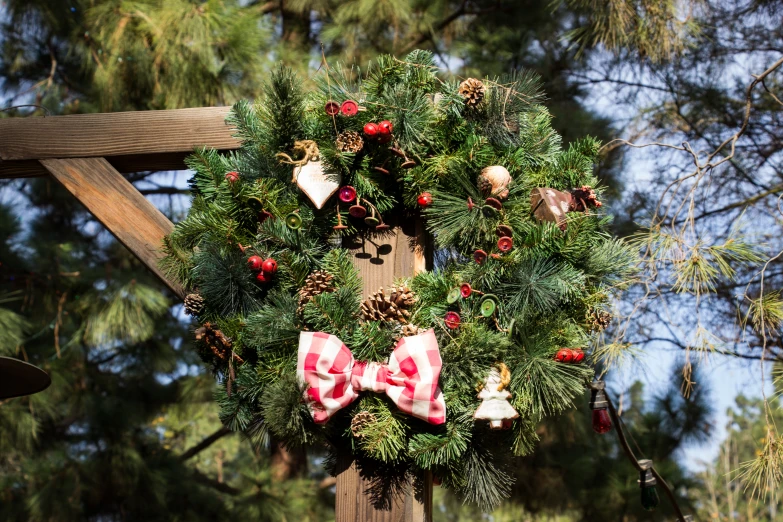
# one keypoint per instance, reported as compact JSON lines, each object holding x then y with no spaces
{"x":315,"y":183}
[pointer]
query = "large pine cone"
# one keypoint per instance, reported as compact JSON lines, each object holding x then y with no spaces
{"x":349,"y":141}
{"x":194,"y":304}
{"x":473,"y":91}
{"x":218,"y":342}
{"x":389,"y":308}
{"x":316,"y":283}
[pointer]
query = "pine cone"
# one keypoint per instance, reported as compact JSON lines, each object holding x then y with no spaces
{"x":409,"y":329}
{"x":194,"y":304}
{"x":599,"y":320}
{"x":583,"y":198}
{"x":394,"y":307}
{"x":484,"y":185}
{"x":217,"y":341}
{"x":360,"y":421}
{"x":349,"y":141}
{"x":473,"y":91}
{"x":316,"y":283}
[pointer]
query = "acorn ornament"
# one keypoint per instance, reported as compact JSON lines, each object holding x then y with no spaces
{"x":494,"y":180}
{"x":495,"y":407}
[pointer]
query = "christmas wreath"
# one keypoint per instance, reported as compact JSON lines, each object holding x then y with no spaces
{"x":450,"y":370}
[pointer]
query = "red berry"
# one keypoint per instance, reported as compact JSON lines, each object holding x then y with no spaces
{"x":452,"y":320}
{"x":262,"y":277}
{"x":371,"y":130}
{"x":578,"y":355}
{"x":232,"y":177}
{"x":564,"y":355}
{"x":384,"y":138}
{"x":255,"y":263}
{"x":269,"y":266}
{"x":424,"y":199}
{"x":385,"y":128}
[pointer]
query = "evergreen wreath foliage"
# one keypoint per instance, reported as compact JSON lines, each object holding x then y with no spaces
{"x":547,"y":285}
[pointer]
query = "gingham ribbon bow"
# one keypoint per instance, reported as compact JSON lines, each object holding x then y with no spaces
{"x":333,"y":379}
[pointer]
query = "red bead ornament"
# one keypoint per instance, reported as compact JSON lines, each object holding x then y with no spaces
{"x":255,"y":263}
{"x":263,"y":278}
{"x":385,"y":128}
{"x":349,"y":108}
{"x":578,"y":356}
{"x":232,"y":177}
{"x":357,"y":211}
{"x":347,"y":194}
{"x":479,"y":256}
{"x":269,"y":266}
{"x":505,"y":244}
{"x":332,"y":108}
{"x":465,"y":290}
{"x":564,"y":355}
{"x":602,"y":422}
{"x":452,"y":320}
{"x":424,"y":199}
{"x":371,"y":130}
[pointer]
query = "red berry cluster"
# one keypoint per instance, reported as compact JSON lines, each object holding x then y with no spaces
{"x":570,"y":355}
{"x":266,"y":268}
{"x":379,"y":131}
{"x":232,"y":177}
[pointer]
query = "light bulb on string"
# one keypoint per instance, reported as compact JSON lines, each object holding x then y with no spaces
{"x":647,"y":482}
{"x":602,"y":422}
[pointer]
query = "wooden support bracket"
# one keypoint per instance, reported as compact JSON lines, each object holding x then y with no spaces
{"x":116,"y":203}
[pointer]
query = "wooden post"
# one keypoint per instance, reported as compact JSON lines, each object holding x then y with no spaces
{"x":381,"y":258}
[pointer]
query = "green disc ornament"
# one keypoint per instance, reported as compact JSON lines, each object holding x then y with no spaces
{"x":293,"y":221}
{"x":489,"y":303}
{"x":255,"y":203}
{"x":453,"y":296}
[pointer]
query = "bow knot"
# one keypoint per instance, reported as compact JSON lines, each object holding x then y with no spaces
{"x":333,"y":379}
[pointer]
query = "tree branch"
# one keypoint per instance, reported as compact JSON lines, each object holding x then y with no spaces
{"x":223,"y":488}
{"x":204,"y":444}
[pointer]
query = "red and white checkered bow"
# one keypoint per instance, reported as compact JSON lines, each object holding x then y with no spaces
{"x":334,"y":379}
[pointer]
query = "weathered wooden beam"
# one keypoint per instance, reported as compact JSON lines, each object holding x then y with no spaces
{"x":380,"y":258}
{"x":115,"y":134}
{"x":116,"y":203}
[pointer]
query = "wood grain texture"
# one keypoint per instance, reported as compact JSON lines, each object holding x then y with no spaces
{"x":133,"y":220}
{"x":124,"y":164}
{"x":115,"y":134}
{"x":380,"y":258}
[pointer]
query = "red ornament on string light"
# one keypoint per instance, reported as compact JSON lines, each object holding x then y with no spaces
{"x":601,"y":420}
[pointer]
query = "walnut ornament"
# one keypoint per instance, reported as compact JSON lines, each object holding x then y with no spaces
{"x":494,"y":180}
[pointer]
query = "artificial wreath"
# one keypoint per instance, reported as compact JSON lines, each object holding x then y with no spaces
{"x":448,"y":371}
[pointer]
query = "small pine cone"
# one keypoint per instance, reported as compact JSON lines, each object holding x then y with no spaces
{"x":583,"y":198}
{"x":472,"y":90}
{"x":194,"y":304}
{"x":409,"y":329}
{"x":217,"y":341}
{"x":389,"y":308}
{"x":316,"y":283}
{"x":599,"y":320}
{"x":484,"y":185}
{"x":349,"y":141}
{"x":360,"y":421}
